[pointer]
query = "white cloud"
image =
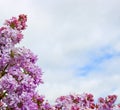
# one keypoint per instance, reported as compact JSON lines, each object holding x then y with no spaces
{"x":68,"y":34}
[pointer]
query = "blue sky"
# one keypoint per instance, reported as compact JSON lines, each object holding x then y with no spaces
{"x":77,"y":43}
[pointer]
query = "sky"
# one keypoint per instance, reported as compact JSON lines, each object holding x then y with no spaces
{"x":77,"y":43}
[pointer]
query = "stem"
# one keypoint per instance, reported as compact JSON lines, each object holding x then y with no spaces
{"x":3,"y":71}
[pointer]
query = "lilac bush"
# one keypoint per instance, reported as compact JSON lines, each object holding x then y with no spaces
{"x":20,"y":76}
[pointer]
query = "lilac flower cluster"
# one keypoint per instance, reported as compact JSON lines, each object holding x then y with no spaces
{"x":86,"y":102}
{"x":20,"y":76}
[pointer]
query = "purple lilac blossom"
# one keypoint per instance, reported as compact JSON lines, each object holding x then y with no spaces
{"x":19,"y":74}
